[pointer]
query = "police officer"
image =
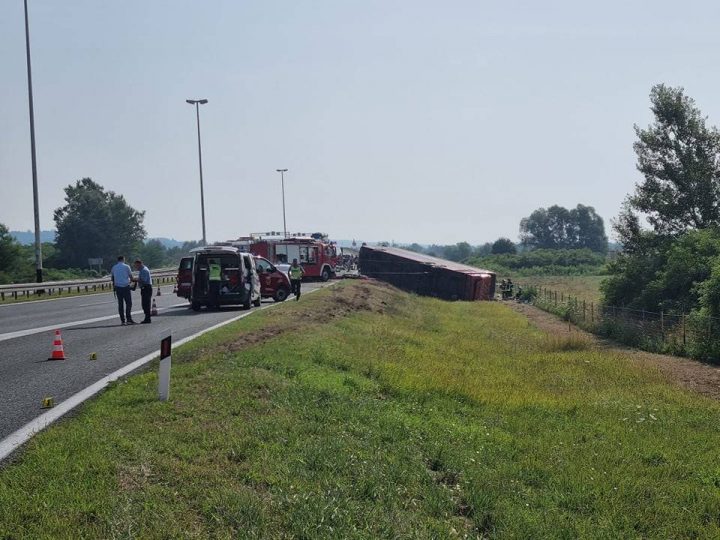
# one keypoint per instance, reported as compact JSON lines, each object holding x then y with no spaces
{"x":295,"y":273}
{"x":214,"y":279}
{"x":121,"y":278}
{"x":145,"y":280}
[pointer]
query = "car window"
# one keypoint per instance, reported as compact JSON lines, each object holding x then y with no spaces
{"x":263,"y":265}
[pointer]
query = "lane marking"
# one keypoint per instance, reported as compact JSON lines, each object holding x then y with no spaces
{"x":31,"y":331}
{"x":10,"y":443}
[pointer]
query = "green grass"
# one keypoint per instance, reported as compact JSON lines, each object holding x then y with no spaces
{"x":582,"y":287}
{"x":415,"y":418}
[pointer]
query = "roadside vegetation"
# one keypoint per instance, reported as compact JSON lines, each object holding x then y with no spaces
{"x":364,"y":412}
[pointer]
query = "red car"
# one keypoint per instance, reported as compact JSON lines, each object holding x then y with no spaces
{"x":273,"y":283}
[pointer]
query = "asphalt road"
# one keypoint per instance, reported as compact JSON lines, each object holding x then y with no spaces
{"x":89,"y":324}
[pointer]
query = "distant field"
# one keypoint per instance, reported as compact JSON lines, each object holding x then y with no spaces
{"x":363,"y":412}
{"x":584,"y":287}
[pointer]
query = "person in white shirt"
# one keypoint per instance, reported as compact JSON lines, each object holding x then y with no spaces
{"x":122,"y":278}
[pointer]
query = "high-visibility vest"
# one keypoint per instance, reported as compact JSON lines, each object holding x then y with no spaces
{"x":214,"y":274}
{"x":296,"y":272}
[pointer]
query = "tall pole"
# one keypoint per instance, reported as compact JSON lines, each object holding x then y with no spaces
{"x":197,"y":103}
{"x":36,"y":204}
{"x":282,"y":182}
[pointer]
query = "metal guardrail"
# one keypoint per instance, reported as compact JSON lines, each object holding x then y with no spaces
{"x":51,"y":288}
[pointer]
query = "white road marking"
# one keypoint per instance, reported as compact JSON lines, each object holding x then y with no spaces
{"x":10,"y":443}
{"x":31,"y":331}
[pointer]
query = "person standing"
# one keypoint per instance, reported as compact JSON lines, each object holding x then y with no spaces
{"x":145,"y":280}
{"x":295,"y":273}
{"x":214,"y":282}
{"x":121,"y":278}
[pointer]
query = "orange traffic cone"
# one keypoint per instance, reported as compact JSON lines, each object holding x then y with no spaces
{"x":58,"y":351}
{"x":153,"y":311}
{"x":158,"y":293}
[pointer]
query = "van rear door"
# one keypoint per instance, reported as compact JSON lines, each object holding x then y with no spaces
{"x":184,"y":277}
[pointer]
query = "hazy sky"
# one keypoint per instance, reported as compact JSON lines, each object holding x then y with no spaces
{"x":399,"y":120}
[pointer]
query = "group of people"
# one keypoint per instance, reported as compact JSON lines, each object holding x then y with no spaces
{"x":506,"y":290}
{"x":124,"y":283}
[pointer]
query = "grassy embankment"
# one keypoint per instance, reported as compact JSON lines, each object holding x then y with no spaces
{"x":583,"y":287}
{"x":364,"y":412}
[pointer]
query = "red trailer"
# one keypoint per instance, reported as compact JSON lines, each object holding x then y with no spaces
{"x":427,"y":275}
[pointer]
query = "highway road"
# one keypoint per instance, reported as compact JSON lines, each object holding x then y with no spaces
{"x":89,"y":324}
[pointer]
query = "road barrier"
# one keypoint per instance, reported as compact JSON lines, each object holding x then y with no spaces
{"x":162,"y":276}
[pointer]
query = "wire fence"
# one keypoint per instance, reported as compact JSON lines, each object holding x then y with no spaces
{"x":683,"y":334}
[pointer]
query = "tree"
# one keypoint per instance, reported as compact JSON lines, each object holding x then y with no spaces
{"x":95,"y":223}
{"x":560,"y":228}
{"x":503,"y":245}
{"x":10,"y":254}
{"x":679,"y":158}
{"x":153,"y":253}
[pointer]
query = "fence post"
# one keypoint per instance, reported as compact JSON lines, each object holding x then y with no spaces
{"x":683,"y":326}
{"x":662,"y":325}
{"x":584,"y":317}
{"x":556,"y":298}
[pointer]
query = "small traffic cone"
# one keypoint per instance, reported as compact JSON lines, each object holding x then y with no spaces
{"x":153,"y":311}
{"x":159,"y":293}
{"x":58,"y":351}
{"x":175,"y":289}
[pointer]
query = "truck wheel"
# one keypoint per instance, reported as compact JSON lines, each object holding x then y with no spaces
{"x":195,"y":306}
{"x":325,"y":274}
{"x":256,"y":303}
{"x":281,"y":294}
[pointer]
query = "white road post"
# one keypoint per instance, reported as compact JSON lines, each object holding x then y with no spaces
{"x":164,"y":374}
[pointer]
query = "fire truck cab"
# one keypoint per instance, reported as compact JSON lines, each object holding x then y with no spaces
{"x":317,"y":255}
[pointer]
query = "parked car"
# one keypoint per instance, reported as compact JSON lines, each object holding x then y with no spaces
{"x":238,"y":283}
{"x":274,"y":283}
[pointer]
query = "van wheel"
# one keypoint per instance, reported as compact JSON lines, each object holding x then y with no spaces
{"x":247,"y":304}
{"x":256,"y":303}
{"x":195,"y":306}
{"x":281,"y":294}
{"x":325,"y":274}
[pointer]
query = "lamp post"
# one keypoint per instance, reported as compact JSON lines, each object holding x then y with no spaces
{"x":36,"y":204}
{"x":282,"y":182}
{"x":197,"y":103}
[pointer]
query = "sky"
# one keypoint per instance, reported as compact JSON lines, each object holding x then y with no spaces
{"x":404,"y":120}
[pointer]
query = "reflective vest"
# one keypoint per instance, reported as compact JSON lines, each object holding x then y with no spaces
{"x":296,"y":272}
{"x":214,"y":273}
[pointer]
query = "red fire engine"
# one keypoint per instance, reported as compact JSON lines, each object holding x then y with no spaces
{"x":317,"y":255}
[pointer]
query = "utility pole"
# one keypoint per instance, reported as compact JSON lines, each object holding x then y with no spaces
{"x":282,"y":182}
{"x":36,"y":204}
{"x":197,"y":103}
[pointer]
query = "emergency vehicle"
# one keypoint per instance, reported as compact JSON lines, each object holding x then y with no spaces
{"x":317,"y":255}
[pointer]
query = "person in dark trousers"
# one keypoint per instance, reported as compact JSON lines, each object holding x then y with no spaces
{"x":295,"y":273}
{"x":144,"y":279}
{"x":121,"y":278}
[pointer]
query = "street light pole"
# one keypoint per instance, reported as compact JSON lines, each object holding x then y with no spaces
{"x":197,"y":103}
{"x":36,"y":204}
{"x":282,"y":182}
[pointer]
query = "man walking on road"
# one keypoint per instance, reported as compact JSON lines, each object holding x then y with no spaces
{"x":121,"y":278}
{"x":145,"y":280}
{"x":295,"y":273}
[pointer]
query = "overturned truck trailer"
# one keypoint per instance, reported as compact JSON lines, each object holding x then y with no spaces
{"x":425,"y":275}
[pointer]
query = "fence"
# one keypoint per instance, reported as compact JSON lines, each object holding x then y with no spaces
{"x":56,"y":288}
{"x":684,"y":334}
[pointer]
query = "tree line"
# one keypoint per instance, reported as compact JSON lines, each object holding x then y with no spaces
{"x":92,"y":224}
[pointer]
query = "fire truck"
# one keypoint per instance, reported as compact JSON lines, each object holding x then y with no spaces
{"x":315,"y":252}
